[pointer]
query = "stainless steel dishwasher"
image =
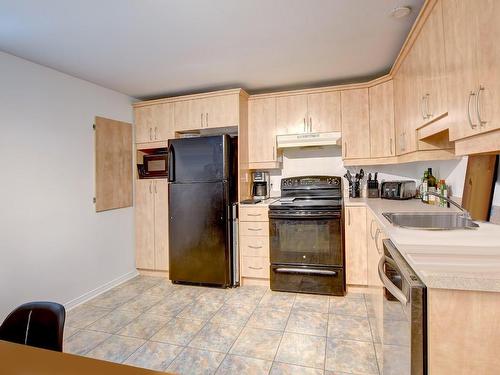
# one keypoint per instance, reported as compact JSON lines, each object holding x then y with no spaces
{"x":404,"y":341}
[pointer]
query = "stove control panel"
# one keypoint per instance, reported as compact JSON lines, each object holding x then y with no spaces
{"x":311,"y":182}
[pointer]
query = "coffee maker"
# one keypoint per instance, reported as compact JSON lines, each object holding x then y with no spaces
{"x":260,"y":185}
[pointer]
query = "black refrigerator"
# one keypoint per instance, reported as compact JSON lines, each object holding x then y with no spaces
{"x":202,"y":198}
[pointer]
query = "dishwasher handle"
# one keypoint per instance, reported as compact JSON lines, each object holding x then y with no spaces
{"x":395,"y":291}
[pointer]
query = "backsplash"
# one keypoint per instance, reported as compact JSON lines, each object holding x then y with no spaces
{"x":328,"y":161}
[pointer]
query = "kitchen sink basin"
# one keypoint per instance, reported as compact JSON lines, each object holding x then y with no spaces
{"x":430,"y":220}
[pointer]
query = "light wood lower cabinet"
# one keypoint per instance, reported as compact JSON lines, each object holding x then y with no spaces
{"x":464,"y":332}
{"x":151,"y":222}
{"x":254,"y":243}
{"x":355,"y":246}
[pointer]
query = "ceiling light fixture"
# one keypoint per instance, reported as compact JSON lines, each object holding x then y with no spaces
{"x":400,"y":12}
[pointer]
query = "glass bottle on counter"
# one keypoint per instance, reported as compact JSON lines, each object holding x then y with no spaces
{"x":443,"y":190}
{"x":431,"y":187}
{"x":424,"y":188}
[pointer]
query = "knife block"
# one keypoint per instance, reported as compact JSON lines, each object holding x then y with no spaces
{"x":372,"y":187}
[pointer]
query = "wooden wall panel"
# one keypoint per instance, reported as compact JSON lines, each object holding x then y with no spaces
{"x":113,"y":164}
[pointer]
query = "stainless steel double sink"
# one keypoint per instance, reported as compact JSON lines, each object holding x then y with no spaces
{"x":430,"y":220}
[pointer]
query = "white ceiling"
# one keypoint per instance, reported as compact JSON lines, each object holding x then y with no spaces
{"x":148,"y":48}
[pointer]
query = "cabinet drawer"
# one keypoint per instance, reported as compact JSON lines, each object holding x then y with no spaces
{"x":255,"y":228}
{"x":255,"y":267}
{"x":254,"y":213}
{"x":254,"y":246}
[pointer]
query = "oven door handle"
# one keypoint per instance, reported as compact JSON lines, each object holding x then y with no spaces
{"x":305,"y":271}
{"x":395,"y":291}
{"x":331,"y":216}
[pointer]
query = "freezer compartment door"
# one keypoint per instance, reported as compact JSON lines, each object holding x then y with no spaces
{"x":202,"y":159}
{"x":198,"y":233}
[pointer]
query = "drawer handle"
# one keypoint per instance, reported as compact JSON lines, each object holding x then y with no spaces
{"x":255,"y":268}
{"x":255,"y":229}
{"x":254,"y":214}
{"x":254,"y":247}
{"x":306,"y":271}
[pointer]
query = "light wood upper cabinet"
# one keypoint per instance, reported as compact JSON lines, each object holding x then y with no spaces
{"x":144,"y":224}
{"x":472,"y":31}
{"x":355,"y":245}
{"x":355,"y":124}
{"x":324,"y":112}
{"x":291,"y":114}
{"x":434,"y":94}
{"x":382,"y":138}
{"x":189,"y":114}
{"x":406,"y":109}
{"x":161,"y":224}
{"x":221,"y":111}
{"x":262,"y":130}
{"x":211,"y":112}
{"x":154,"y":123}
{"x":151,"y":222}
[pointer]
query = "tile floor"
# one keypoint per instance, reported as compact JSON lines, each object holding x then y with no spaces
{"x":149,"y":322}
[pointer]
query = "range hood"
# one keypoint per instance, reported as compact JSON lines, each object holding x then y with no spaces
{"x":309,"y":139}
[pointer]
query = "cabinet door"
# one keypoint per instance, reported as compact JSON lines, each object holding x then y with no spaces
{"x":355,"y":124}
{"x":413,"y":92}
{"x":291,"y":114}
{"x":488,"y":56}
{"x":382,"y":120}
{"x":355,"y":245}
{"x":461,"y":30}
{"x":163,"y":122}
{"x":143,"y":121}
{"x":144,"y":224}
{"x":161,"y":224}
{"x":434,"y":66}
{"x":221,"y":111}
{"x":189,"y":115}
{"x":400,"y":108}
{"x":324,"y":112}
{"x":262,"y":130}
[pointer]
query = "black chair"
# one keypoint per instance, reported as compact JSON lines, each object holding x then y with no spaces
{"x":38,"y":324}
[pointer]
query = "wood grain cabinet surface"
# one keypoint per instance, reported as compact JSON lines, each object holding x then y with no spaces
{"x":207,"y":113}
{"x":154,"y":123}
{"x":262,"y":132}
{"x":382,"y":137}
{"x":254,"y":244}
{"x":355,"y":124}
{"x":323,"y":112}
{"x":356,"y":246}
{"x":472,"y":31}
{"x":151,"y":222}
{"x":291,"y":114}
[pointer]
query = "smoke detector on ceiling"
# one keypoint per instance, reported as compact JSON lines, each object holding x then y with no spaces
{"x":400,"y":12}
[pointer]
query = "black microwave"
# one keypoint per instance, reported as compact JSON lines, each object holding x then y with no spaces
{"x":154,"y":166}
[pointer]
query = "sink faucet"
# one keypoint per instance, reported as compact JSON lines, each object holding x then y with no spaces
{"x":465,"y":213}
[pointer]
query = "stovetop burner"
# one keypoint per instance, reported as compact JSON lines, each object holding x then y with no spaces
{"x":310,"y":192}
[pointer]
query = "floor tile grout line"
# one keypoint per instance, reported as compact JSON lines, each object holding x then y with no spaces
{"x":373,"y":338}
{"x":283,"y":333}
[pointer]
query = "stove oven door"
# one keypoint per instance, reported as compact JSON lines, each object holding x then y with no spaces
{"x":306,"y":238}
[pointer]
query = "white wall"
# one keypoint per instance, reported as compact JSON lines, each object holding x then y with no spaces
{"x":54,"y":246}
{"x":328,"y":161}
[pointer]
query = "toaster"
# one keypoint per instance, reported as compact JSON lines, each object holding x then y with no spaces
{"x":398,"y":189}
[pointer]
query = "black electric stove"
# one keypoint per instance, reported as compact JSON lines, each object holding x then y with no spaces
{"x":306,"y":234}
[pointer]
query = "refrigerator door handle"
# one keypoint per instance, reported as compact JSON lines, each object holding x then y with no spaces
{"x":171,"y":160}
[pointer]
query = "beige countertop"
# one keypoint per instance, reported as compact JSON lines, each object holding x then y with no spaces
{"x":265,"y":202}
{"x":464,"y":259}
